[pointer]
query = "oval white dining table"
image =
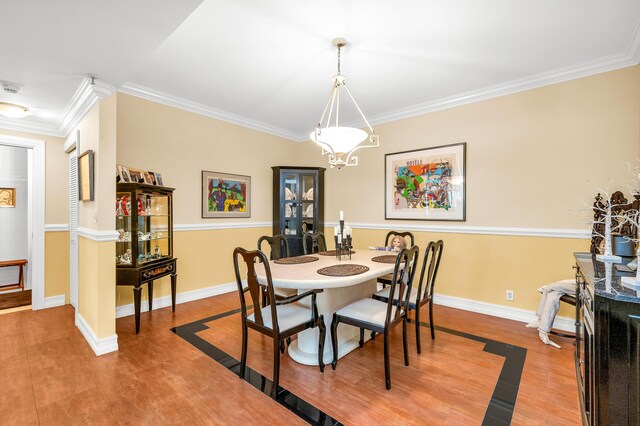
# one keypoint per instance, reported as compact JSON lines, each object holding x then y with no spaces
{"x":338,"y":292}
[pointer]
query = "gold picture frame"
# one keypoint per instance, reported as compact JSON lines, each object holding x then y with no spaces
{"x":7,"y":197}
{"x":85,"y":176}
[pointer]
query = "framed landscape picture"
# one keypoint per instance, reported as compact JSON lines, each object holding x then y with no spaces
{"x":426,"y":184}
{"x":225,"y":195}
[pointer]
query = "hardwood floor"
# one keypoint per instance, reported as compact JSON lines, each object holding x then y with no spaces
{"x":50,"y":375}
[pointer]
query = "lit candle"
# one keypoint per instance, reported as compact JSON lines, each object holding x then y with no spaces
{"x":341,"y":215}
{"x":335,"y":231}
{"x":348,"y":230}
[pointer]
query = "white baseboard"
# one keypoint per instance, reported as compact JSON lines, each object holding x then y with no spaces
{"x":187,"y":296}
{"x":100,"y":346}
{"x":54,"y":301}
{"x":501,"y":311}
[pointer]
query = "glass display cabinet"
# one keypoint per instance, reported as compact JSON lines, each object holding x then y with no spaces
{"x":298,"y":205}
{"x":144,"y":249}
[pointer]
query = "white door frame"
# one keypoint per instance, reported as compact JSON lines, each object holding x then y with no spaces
{"x":73,"y":144}
{"x":36,"y":200}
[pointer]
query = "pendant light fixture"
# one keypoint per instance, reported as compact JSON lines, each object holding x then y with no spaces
{"x":338,"y":141}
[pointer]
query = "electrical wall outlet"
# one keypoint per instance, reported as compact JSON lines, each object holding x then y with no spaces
{"x":510,"y":295}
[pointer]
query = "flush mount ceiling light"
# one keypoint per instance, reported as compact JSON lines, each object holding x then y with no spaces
{"x":341,"y":142}
{"x":13,"y":110}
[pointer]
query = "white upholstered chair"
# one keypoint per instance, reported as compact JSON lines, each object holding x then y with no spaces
{"x":378,"y":316}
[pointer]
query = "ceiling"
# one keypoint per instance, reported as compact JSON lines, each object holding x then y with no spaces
{"x":268,"y":64}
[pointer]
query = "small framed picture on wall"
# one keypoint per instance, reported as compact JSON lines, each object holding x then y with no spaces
{"x":85,"y":176}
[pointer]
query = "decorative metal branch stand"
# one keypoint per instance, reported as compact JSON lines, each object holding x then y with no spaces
{"x":343,"y":242}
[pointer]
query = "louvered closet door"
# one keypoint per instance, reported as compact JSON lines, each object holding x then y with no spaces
{"x":73,"y":228}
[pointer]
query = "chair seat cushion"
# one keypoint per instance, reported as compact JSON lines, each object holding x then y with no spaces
{"x":289,"y":316}
{"x":385,"y":279}
{"x":413,"y":297}
{"x":367,"y":310}
{"x":285,"y":292}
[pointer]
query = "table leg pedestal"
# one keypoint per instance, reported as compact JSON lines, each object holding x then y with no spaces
{"x":305,"y":348}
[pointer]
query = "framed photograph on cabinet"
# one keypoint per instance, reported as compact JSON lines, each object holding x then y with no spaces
{"x":159,"y":179}
{"x":136,"y":176}
{"x":85,"y":176}
{"x":123,"y":174}
{"x":225,"y":195}
{"x":426,"y":184}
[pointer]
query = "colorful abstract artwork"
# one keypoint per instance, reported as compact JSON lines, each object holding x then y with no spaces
{"x":225,"y":195}
{"x":426,"y":184}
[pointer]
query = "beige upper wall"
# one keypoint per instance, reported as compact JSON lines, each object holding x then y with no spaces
{"x":180,"y":144}
{"x":532,"y":157}
{"x":56,"y":176}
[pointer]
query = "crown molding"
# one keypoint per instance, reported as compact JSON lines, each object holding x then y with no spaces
{"x":41,"y":129}
{"x":560,"y":75}
{"x":86,"y":96}
{"x":89,"y":93}
{"x":634,"y":45}
{"x":197,"y":108}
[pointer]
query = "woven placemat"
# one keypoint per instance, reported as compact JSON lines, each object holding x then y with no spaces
{"x":295,"y":260}
{"x":343,"y":270}
{"x":387,"y":258}
{"x":333,"y":253}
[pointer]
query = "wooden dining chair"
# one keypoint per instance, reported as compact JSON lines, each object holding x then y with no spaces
{"x":378,"y":316}
{"x":423,"y":293}
{"x":313,"y":242}
{"x":279,"y":247}
{"x":280,"y":320}
{"x":385,"y":280}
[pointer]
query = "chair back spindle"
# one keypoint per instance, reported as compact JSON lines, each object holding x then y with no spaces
{"x":252,"y":259}
{"x":313,"y":242}
{"x":278,"y":244}
{"x":430,"y":266}
{"x":403,"y":273}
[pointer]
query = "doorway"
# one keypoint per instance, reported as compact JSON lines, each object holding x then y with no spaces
{"x":23,"y":177}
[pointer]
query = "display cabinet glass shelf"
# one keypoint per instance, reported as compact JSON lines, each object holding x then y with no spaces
{"x":298,"y":205}
{"x":144,"y":249}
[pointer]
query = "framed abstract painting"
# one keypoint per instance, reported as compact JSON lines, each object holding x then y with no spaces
{"x":225,"y":195}
{"x":426,"y":184}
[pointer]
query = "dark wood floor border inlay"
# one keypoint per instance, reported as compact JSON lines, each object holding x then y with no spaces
{"x":499,"y":410}
{"x":503,"y":399}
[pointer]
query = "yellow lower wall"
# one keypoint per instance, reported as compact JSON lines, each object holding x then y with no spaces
{"x":204,"y":260}
{"x":483,"y":267}
{"x":96,"y":282}
{"x":56,"y":268}
{"x":474,"y":267}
